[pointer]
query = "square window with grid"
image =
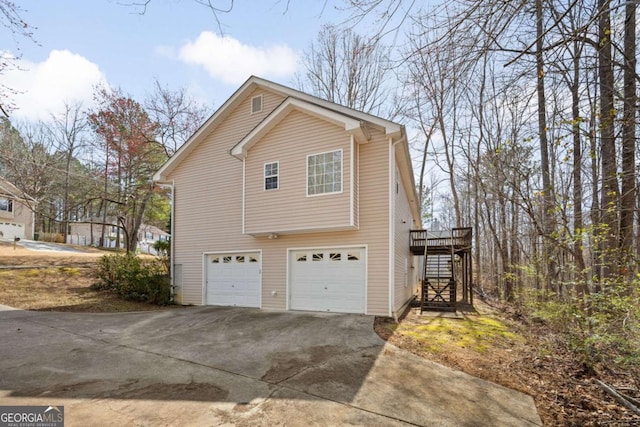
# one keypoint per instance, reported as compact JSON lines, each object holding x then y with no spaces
{"x":324,"y":173}
{"x":271,"y":176}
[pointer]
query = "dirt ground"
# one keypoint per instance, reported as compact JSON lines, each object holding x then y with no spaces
{"x":495,"y":343}
{"x":500,"y":346}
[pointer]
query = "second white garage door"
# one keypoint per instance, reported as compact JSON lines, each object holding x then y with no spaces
{"x":234,"y":279}
{"x":328,"y":280}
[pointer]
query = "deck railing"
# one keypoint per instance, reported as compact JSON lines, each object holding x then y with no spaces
{"x":456,"y":237}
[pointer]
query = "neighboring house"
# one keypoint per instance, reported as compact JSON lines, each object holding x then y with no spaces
{"x":148,"y":235}
{"x":89,"y":232}
{"x":16,"y":215}
{"x":285,"y":201}
{"x":81,"y":233}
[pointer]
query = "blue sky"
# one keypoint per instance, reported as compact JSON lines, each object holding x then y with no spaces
{"x":178,"y":42}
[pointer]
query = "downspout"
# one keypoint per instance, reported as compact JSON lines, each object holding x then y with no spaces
{"x":352,"y":220}
{"x":172,"y":246}
{"x":392,"y":222}
{"x":172,"y":284}
{"x":244,"y":179}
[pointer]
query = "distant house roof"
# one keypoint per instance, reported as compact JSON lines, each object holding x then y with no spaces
{"x":153,"y":229}
{"x":7,"y":188}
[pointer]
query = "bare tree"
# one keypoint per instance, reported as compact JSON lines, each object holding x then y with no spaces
{"x":132,"y":155}
{"x":610,"y":187}
{"x":628,"y":196}
{"x":68,"y":128}
{"x":344,"y":67}
{"x":12,"y":21}
{"x":177,"y":114}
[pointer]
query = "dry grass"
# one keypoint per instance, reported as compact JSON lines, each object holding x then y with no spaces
{"x":64,"y":285}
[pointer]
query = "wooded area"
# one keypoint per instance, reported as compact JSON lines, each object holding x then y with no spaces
{"x":95,"y":165}
{"x":526,"y":111}
{"x":529,"y":112}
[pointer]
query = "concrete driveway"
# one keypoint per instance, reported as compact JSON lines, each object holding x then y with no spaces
{"x":209,"y":366}
{"x":49,"y":247}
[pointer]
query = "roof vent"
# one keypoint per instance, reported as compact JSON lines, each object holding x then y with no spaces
{"x":256,"y":104}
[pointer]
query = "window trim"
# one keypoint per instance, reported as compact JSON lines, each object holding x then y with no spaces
{"x":9,"y":202}
{"x":277,"y":176}
{"x":341,"y":173}
{"x":261,"y":104}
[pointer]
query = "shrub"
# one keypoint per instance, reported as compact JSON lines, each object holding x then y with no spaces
{"x":604,"y":328}
{"x":163,"y":248}
{"x":133,"y":279}
{"x":51,"y":237}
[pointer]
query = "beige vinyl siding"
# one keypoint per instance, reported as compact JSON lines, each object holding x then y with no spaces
{"x":208,"y":210}
{"x":374,"y":219}
{"x":288,"y":207}
{"x":208,"y":195}
{"x":404,"y":276}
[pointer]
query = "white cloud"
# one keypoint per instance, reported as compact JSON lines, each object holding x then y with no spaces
{"x":44,"y":87}
{"x":231,"y":61}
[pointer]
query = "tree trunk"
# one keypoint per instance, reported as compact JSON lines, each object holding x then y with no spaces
{"x":547,"y":186}
{"x":610,"y":189}
{"x":628,"y":199}
{"x":578,"y":226}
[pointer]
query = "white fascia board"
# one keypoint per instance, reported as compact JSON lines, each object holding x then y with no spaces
{"x":352,"y":126}
{"x":204,"y":130}
{"x":391,"y":129}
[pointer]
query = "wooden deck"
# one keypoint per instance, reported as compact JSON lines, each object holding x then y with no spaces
{"x":458,"y":239}
{"x":446,"y":264}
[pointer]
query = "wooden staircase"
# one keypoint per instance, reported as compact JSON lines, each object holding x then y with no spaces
{"x":446,"y":264}
{"x":438,"y":283}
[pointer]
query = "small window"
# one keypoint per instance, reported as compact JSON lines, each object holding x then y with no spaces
{"x":6,"y":205}
{"x":324,"y":173}
{"x":353,"y":256}
{"x":318,"y":256}
{"x":301,"y":257}
{"x":215,"y":260}
{"x":239,"y":258}
{"x":335,"y":256}
{"x":271,"y":176}
{"x":226,"y":259}
{"x":256,"y":104}
{"x":253,"y":259}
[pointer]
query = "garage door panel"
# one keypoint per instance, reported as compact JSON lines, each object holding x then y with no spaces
{"x":234,"y":279}
{"x":11,"y":230}
{"x":328,"y":280}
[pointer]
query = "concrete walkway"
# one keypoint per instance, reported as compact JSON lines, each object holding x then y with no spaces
{"x":232,"y":366}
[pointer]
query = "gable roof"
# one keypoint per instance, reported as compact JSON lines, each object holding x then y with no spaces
{"x":392,"y":129}
{"x":7,"y":188}
{"x":351,"y":125}
{"x":354,"y":122}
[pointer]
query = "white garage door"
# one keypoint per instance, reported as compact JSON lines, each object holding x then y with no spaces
{"x":9,"y":230}
{"x":234,"y":279}
{"x":328,"y":280}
